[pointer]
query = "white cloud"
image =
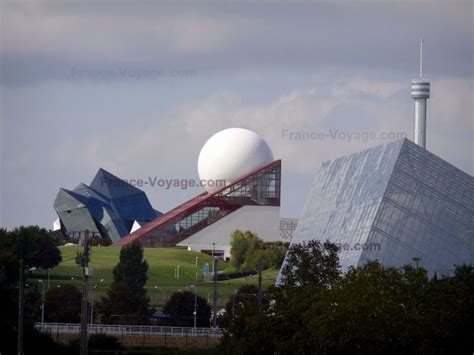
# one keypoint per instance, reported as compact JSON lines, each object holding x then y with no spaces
{"x":171,"y":143}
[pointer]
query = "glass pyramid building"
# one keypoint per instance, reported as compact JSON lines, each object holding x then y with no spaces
{"x":396,"y":203}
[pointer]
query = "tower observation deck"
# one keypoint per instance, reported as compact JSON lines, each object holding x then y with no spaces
{"x":420,"y":91}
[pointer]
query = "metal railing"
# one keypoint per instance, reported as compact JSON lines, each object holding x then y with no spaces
{"x":125,"y":330}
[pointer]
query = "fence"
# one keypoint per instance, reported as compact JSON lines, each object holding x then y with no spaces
{"x":128,"y":330}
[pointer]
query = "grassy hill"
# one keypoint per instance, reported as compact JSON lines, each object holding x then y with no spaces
{"x":162,"y":264}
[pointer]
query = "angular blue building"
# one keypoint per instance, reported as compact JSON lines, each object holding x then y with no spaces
{"x":396,"y":203}
{"x":110,"y":207}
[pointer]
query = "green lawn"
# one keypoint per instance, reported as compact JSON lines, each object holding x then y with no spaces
{"x":162,"y":263}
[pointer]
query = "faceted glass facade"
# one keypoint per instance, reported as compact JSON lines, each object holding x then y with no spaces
{"x":287,"y":229}
{"x":427,"y":213}
{"x":395,"y":203}
{"x":109,"y":207}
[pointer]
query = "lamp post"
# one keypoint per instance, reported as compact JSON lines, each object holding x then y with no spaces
{"x":42,"y":305}
{"x":213,"y":251}
{"x":195,"y":306}
{"x":92,"y":300}
{"x":162,"y":294}
{"x":233,"y":304}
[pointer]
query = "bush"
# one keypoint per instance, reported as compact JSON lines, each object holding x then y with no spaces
{"x":104,"y":342}
{"x":180,"y":307}
{"x":63,"y":304}
{"x":247,"y":249}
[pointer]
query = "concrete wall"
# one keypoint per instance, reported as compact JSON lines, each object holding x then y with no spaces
{"x":262,"y":220}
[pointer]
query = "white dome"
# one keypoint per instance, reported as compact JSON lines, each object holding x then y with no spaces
{"x":231,"y":154}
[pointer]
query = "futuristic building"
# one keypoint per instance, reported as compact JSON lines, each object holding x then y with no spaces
{"x":396,"y":203}
{"x":249,"y":198}
{"x":109,"y":206}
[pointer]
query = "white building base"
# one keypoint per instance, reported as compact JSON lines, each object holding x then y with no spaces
{"x":262,"y":220}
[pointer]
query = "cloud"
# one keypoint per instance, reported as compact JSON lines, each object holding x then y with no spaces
{"x":353,"y":106}
{"x":45,"y":39}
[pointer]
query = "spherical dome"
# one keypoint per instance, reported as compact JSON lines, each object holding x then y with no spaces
{"x":231,"y":154}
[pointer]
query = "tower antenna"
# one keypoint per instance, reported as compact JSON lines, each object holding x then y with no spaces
{"x":421,"y":57}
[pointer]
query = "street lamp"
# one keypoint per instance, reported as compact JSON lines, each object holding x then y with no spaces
{"x":213,"y":251}
{"x":195,"y":306}
{"x":92,"y":300}
{"x":42,"y":305}
{"x":206,"y":271}
{"x":233,"y":304}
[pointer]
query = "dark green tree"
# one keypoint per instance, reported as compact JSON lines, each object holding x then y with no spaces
{"x":248,"y":328}
{"x":180,"y":306}
{"x":126,"y":301}
{"x":449,"y":313}
{"x":23,"y":242}
{"x":122,"y":306}
{"x":63,"y":304}
{"x":36,"y":246}
{"x":372,"y":309}
{"x":132,"y":268}
{"x":313,"y":263}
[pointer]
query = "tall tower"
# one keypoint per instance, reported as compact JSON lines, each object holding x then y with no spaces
{"x":420,"y":91}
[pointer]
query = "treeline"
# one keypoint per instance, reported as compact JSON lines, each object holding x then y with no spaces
{"x":371,"y":309}
{"x":37,"y":247}
{"x":126,"y":302}
{"x":247,"y":249}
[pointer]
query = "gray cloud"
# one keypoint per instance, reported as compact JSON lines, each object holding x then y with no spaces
{"x":43,"y":40}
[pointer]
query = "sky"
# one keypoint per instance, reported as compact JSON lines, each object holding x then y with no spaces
{"x":137,"y":87}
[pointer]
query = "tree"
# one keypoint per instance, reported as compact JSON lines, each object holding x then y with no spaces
{"x":36,"y":246}
{"x":313,"y":263}
{"x":247,"y":327}
{"x":247,"y":250}
{"x":132,"y":268}
{"x":63,"y":304}
{"x":242,"y":243}
{"x":370,"y":309}
{"x":449,"y":313}
{"x":26,"y":243}
{"x":122,"y":306}
{"x":180,"y":306}
{"x":126,"y":301}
